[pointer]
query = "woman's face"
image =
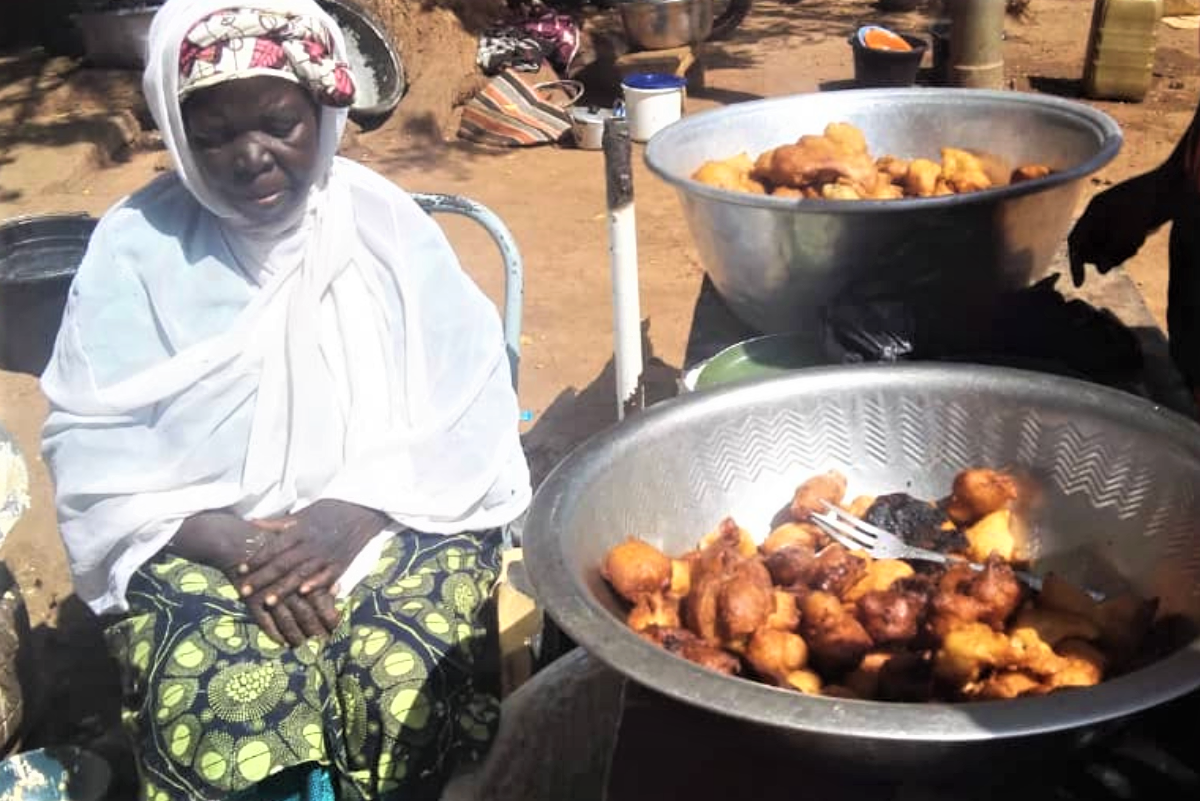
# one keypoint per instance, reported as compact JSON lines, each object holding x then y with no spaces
{"x":256,"y":141}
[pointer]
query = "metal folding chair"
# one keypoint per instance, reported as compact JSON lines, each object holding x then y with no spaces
{"x":514,"y":271}
{"x":514,"y":288}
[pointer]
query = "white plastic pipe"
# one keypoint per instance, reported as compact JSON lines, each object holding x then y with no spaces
{"x":622,"y":248}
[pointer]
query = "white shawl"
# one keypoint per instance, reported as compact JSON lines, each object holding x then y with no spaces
{"x":202,"y":365}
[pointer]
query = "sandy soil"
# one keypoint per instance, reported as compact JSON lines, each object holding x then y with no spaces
{"x":70,"y":140}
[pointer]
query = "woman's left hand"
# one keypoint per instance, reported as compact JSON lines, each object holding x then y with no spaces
{"x":308,"y":551}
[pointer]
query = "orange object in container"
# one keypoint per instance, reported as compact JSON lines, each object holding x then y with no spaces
{"x":880,"y":61}
{"x":883,"y":39}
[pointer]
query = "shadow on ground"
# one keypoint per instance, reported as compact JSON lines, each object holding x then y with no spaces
{"x":575,"y":415}
{"x":76,"y":693}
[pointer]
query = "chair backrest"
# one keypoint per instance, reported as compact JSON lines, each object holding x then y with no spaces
{"x":514,"y":271}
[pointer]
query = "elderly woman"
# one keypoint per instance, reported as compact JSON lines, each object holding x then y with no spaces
{"x":282,"y":433}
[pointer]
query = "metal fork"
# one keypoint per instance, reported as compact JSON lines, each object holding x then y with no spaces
{"x":859,"y":535}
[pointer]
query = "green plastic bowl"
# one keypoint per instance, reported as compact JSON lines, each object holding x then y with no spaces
{"x":758,"y":358}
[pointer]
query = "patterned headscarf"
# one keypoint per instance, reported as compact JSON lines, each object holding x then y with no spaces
{"x":246,"y":42}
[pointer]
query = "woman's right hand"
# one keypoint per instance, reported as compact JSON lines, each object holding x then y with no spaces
{"x":225,"y":541}
{"x":1115,"y":225}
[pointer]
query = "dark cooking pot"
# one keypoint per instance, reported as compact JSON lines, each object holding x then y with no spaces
{"x":374,"y":61}
{"x":38,"y":259}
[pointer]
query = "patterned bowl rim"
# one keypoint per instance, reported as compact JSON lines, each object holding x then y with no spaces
{"x":573,"y":607}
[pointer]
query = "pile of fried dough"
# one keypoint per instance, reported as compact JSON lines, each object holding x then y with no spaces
{"x":837,"y":166}
{"x":802,"y":612}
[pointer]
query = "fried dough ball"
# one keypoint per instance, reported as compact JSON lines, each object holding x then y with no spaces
{"x":880,"y":575}
{"x":729,"y":600}
{"x":685,"y":644}
{"x":963,"y":171}
{"x":807,"y":534}
{"x":834,"y":570}
{"x":635,"y":568}
{"x":922,"y":177}
{"x":775,"y":654}
{"x":978,"y":492}
{"x":1033,"y":654}
{"x":654,"y":611}
{"x":806,"y":681}
{"x":836,"y":640}
{"x":1004,"y":686}
{"x":840,"y":152}
{"x":790,"y":192}
{"x":884,"y":190}
{"x":813,"y":494}
{"x":991,"y":535}
{"x":789,"y":566}
{"x":846,"y":137}
{"x":891,"y":617}
{"x":745,"y":601}
{"x":699,"y":609}
{"x":1029,"y":172}
{"x":990,"y":596}
{"x":813,"y":160}
{"x":1054,"y":627}
{"x":840,"y":192}
{"x":786,"y":616}
{"x":732,"y":174}
{"x":968,"y":650}
{"x":896,"y":169}
{"x":729,"y":533}
{"x":1084,"y":665}
{"x":859,"y":506}
{"x":681,"y":578}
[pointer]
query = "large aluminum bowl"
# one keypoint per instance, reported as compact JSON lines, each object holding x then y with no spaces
{"x":1121,"y":479}
{"x":664,"y":24}
{"x":775,"y":260}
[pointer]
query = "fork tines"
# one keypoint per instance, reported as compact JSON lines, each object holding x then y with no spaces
{"x":844,"y":532}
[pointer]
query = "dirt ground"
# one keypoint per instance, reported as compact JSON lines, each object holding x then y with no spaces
{"x":71,"y":140}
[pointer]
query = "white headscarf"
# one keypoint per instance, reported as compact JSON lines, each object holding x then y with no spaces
{"x":361,"y":363}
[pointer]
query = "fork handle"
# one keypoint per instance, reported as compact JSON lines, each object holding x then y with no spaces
{"x":1034,"y":582}
{"x":1030,"y":580}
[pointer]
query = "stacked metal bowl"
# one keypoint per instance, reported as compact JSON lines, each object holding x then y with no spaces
{"x":665,"y":24}
{"x":777,"y":261}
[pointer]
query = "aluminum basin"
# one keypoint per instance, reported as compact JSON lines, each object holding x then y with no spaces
{"x":777,"y":262}
{"x":1120,"y":479}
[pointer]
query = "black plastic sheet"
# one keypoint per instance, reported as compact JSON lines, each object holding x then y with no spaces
{"x":1033,"y":328}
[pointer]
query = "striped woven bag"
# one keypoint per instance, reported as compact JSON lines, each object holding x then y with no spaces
{"x":508,"y":112}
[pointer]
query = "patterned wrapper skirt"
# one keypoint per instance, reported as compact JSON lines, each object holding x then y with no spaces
{"x":391,"y":703}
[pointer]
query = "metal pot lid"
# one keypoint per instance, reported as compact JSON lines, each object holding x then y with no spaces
{"x":653,"y":80}
{"x":591,"y":115}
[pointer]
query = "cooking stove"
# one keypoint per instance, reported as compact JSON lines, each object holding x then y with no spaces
{"x":666,"y":750}
{"x":1042,"y":328}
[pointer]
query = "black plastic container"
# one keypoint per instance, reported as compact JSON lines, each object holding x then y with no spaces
{"x":38,"y":260}
{"x":882,"y":68}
